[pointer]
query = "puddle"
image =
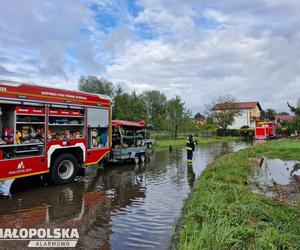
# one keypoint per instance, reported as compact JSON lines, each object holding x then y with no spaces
{"x":278,"y":179}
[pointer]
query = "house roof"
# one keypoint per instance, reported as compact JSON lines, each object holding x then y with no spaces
{"x":237,"y":105}
{"x":285,"y":117}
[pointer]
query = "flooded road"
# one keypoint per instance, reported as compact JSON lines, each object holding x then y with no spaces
{"x":120,"y":207}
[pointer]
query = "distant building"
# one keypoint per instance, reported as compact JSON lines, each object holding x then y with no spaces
{"x":200,"y":119}
{"x":249,"y":113}
{"x":280,"y":118}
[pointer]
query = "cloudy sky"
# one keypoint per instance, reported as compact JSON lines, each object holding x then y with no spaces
{"x":198,"y":49}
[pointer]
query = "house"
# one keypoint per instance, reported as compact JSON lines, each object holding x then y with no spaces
{"x":200,"y":119}
{"x":249,"y":113}
{"x":280,"y":118}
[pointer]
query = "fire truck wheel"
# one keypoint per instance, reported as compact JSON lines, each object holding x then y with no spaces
{"x":142,"y":158}
{"x":64,"y":169}
{"x":136,"y":159}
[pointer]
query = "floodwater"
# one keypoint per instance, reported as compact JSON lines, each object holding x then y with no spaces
{"x":278,"y":178}
{"x":118,"y":207}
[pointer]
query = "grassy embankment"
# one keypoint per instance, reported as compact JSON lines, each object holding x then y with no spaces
{"x":223,"y":213}
{"x":161,"y":144}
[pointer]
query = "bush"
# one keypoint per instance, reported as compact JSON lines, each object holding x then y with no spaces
{"x":245,"y":126}
{"x":247,"y":132}
{"x":228,"y":132}
{"x":282,"y":132}
{"x":289,"y":127}
{"x":208,"y":129}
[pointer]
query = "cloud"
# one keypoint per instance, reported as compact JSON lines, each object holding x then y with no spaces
{"x":45,"y":31}
{"x":162,"y":22}
{"x":5,"y":72}
{"x":240,"y":49}
{"x":216,"y":15}
{"x":195,"y":49}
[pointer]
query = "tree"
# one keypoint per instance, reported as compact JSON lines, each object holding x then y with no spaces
{"x":188,"y":123}
{"x":121,"y":104}
{"x":199,"y":116}
{"x":289,"y":127}
{"x":151,"y":106}
{"x":270,"y":114}
{"x":137,"y":108}
{"x":176,"y":114}
{"x":263,"y":114}
{"x":224,"y":110}
{"x":93,"y":84}
{"x":128,"y":106}
{"x":296,"y":111}
{"x":155,"y":107}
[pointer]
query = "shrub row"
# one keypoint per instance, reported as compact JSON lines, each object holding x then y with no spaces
{"x":244,"y":132}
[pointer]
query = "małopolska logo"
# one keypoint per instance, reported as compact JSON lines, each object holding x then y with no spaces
{"x":21,"y":165}
{"x":41,"y":237}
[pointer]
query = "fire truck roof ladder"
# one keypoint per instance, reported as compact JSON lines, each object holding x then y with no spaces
{"x":10,"y":83}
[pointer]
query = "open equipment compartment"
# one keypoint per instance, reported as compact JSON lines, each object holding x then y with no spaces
{"x":98,"y":128}
{"x":22,"y":131}
{"x":65,"y":124}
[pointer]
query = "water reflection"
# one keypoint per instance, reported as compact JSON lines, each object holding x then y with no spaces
{"x":279,"y":178}
{"x":191,"y":177}
{"x":124,"y":184}
{"x":120,"y":207}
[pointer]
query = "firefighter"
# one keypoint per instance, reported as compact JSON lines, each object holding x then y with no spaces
{"x":190,"y":147}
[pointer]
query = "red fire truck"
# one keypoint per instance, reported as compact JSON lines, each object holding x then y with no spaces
{"x":51,"y":131}
{"x":266,"y":131}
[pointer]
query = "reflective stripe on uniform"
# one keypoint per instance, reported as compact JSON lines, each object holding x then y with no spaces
{"x":188,"y":148}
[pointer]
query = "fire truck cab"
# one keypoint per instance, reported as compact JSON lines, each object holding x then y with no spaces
{"x":51,"y":131}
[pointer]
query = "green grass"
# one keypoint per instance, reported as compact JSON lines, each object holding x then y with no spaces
{"x":161,"y":144}
{"x":284,"y":149}
{"x":223,"y":213}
